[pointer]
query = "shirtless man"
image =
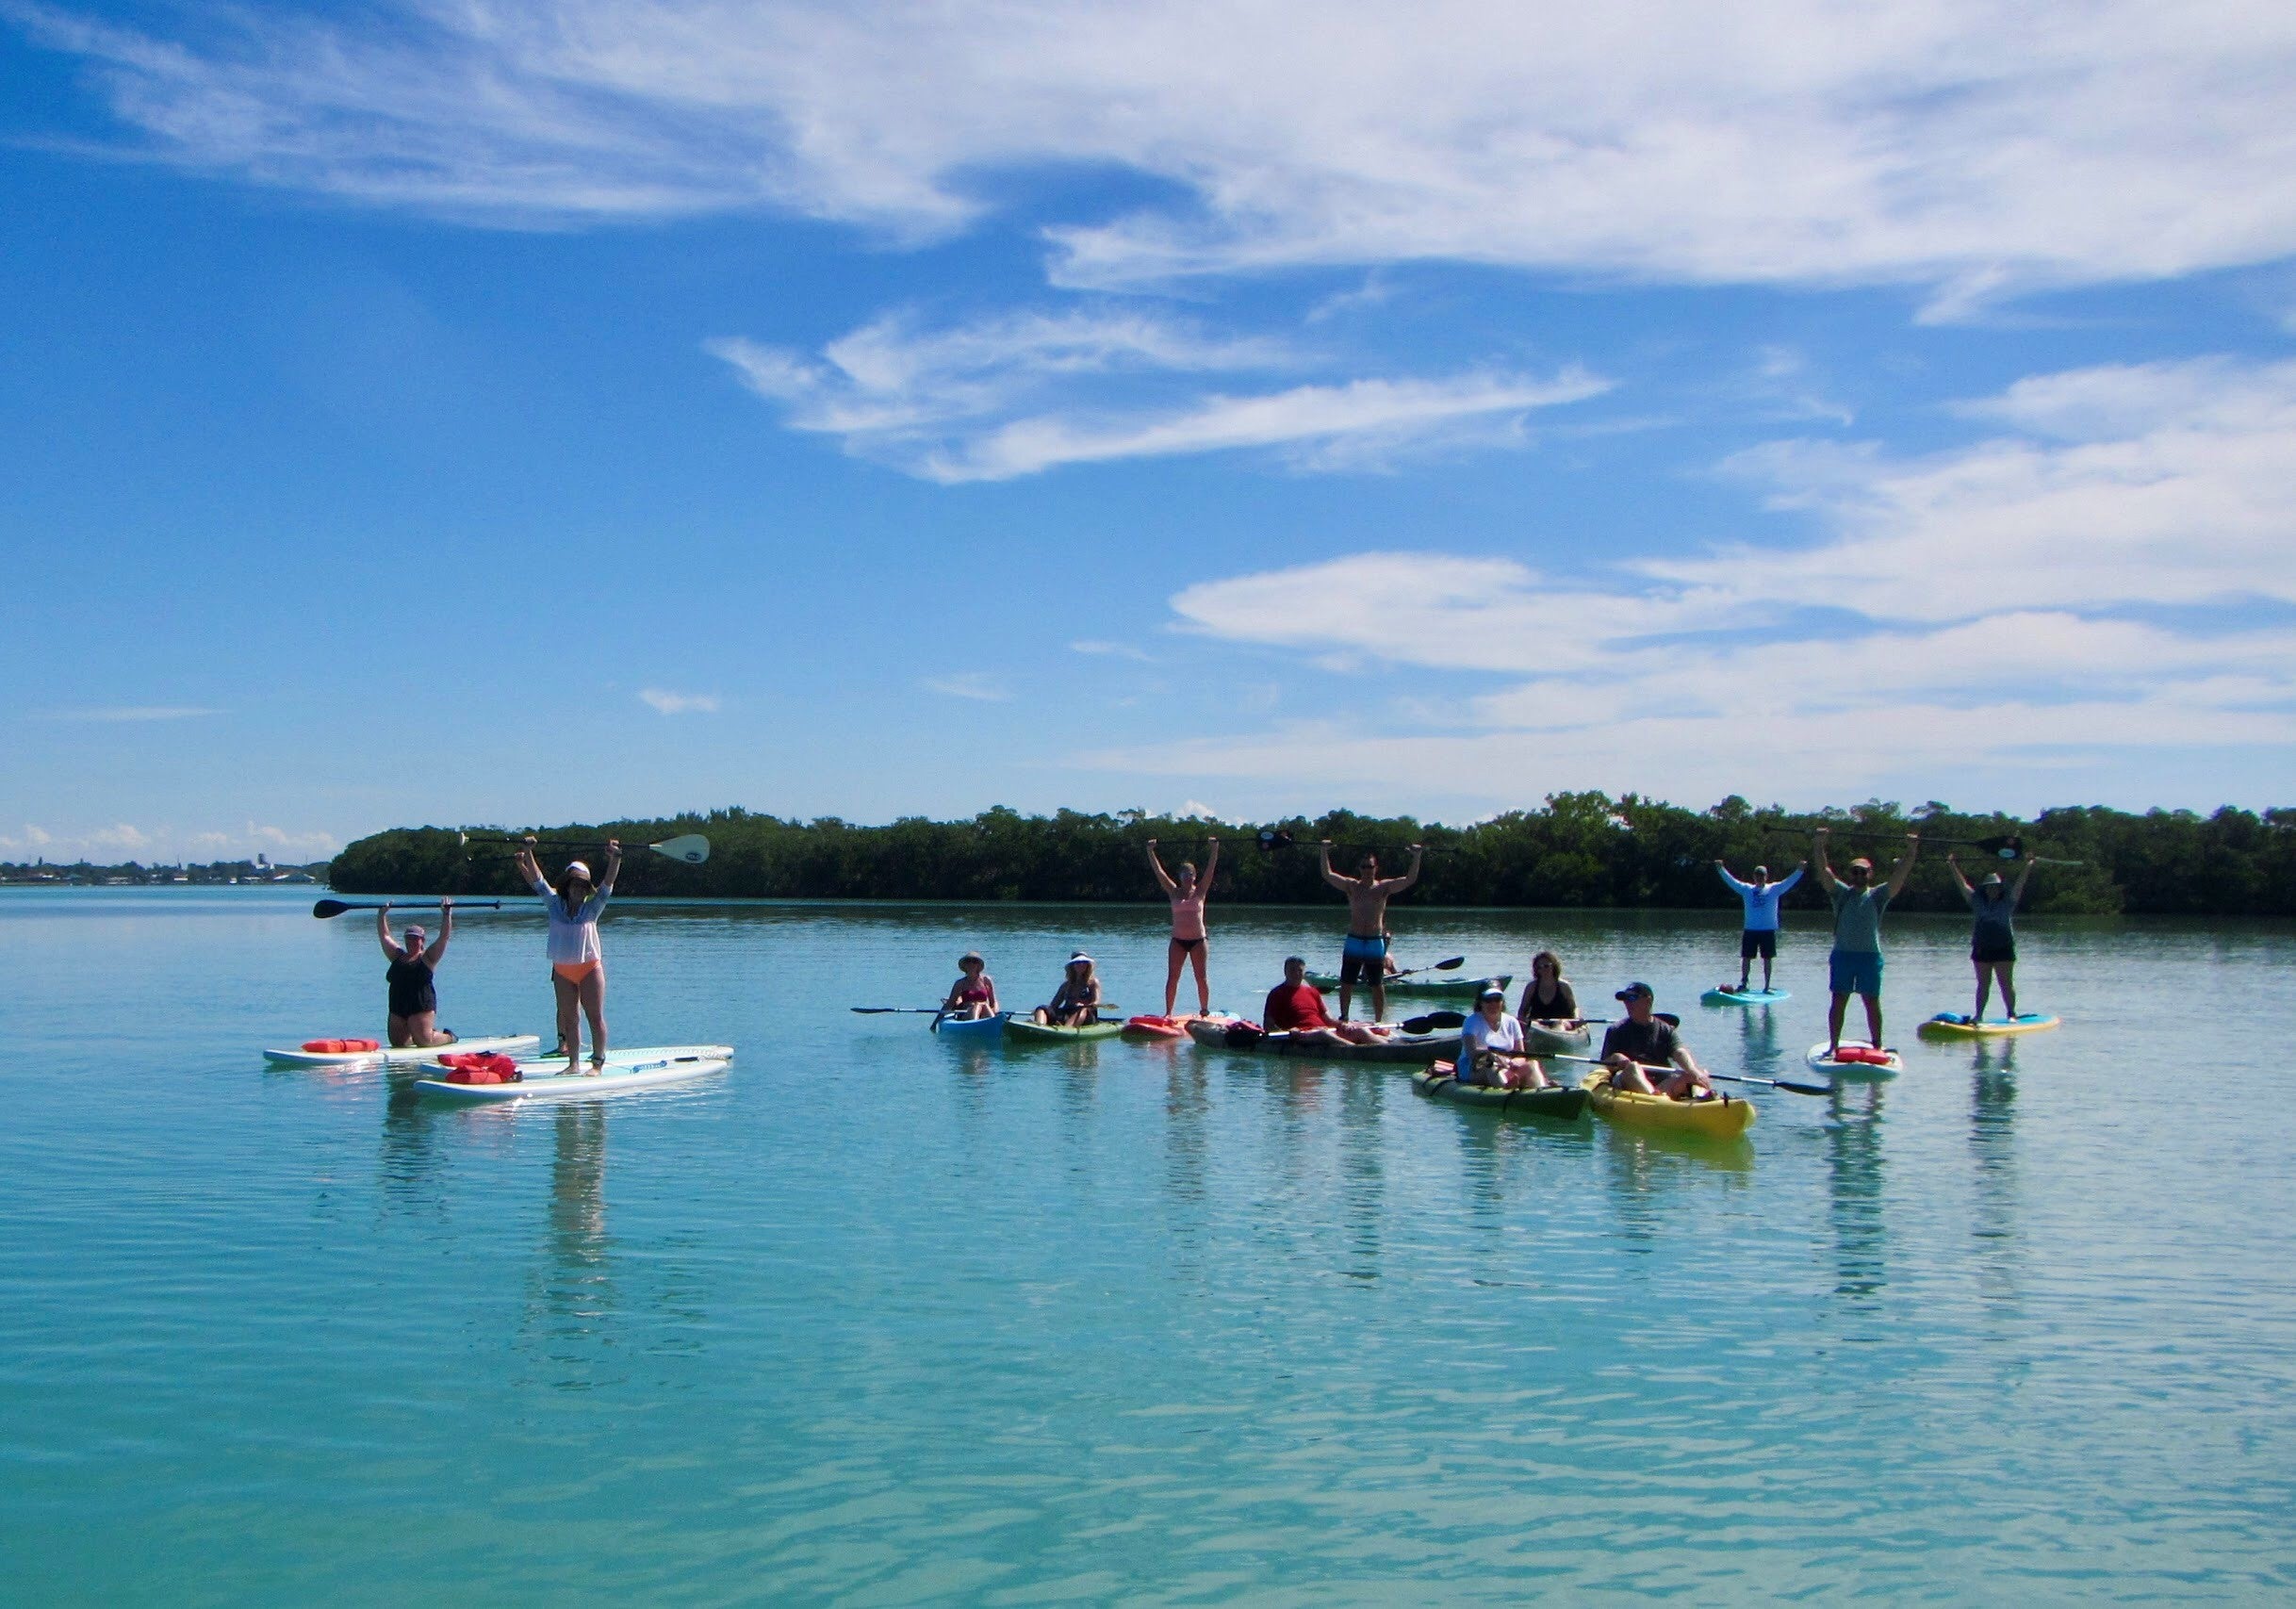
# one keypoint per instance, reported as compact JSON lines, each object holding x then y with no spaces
{"x":414,"y":996}
{"x":1365,"y":955}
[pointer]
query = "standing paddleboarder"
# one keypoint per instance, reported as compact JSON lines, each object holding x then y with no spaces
{"x":1855,"y":967}
{"x":578,"y":965}
{"x":1759,"y":935}
{"x":1365,"y":954}
{"x":1993,"y":940}
{"x":414,"y":990}
{"x":1190,"y":939}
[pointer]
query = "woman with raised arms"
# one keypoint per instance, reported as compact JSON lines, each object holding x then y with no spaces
{"x":1190,"y":940}
{"x":578,"y":965}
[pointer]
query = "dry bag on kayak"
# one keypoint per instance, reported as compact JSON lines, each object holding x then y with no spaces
{"x":340,"y":1046}
{"x":480,"y":1067}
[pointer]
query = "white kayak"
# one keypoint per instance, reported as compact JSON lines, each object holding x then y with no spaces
{"x":401,"y":1056}
{"x":548,"y":1079}
{"x":1841,"y":1069}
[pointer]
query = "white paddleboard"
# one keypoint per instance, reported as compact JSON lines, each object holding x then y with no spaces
{"x":625,"y":1071}
{"x":1824,"y":1064}
{"x":401,"y":1056}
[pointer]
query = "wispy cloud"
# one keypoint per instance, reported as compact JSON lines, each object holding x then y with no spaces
{"x":2008,"y":591}
{"x":670,"y":703}
{"x":124,"y":841}
{"x":130,"y":713}
{"x":1113,"y":651}
{"x":1971,"y":148}
{"x":974,"y":684}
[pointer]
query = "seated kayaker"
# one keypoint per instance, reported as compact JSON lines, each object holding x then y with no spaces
{"x":1295,"y":1007}
{"x":974,"y":994}
{"x":1548,"y":999}
{"x":1492,"y":1050}
{"x":1643,"y":1044}
{"x":1076,"y":1002}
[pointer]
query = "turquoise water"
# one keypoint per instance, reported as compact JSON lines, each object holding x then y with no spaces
{"x":875,"y":1319}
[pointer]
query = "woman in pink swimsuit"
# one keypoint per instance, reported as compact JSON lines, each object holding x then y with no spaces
{"x":1188,"y":939}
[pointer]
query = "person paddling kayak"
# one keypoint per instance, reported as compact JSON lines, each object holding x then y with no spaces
{"x":1549,"y":999}
{"x":1492,"y":1050}
{"x":1365,"y":954}
{"x":1295,"y":1007}
{"x":414,"y":990}
{"x":1190,"y":940}
{"x":1993,"y":940}
{"x":1758,"y":936}
{"x":1644,"y":1042}
{"x":1855,"y":967}
{"x":974,"y":994}
{"x":578,"y":965}
{"x":1076,"y":1002}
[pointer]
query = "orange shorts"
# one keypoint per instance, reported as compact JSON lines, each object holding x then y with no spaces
{"x":575,"y":971}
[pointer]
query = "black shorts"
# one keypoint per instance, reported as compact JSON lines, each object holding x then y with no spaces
{"x":1760,"y":942}
{"x":1986,"y":948}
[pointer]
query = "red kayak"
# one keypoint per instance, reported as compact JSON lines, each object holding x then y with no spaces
{"x":1158,"y":1028}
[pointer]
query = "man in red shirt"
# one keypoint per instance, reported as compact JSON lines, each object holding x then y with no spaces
{"x":1296,"y":1008}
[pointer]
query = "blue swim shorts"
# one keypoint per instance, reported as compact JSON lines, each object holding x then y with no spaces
{"x":1855,"y":972}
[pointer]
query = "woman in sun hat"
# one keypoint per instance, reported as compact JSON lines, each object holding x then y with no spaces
{"x":973,"y":994}
{"x":1992,"y":938}
{"x":578,"y":965}
{"x":1076,"y":1002}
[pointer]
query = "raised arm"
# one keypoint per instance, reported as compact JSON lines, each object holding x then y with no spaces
{"x":1397,"y":885}
{"x":2017,"y":888}
{"x":1953,"y":865}
{"x":1735,"y":886}
{"x":531,"y":869}
{"x":1903,"y":868}
{"x":1785,"y":884}
{"x":391,"y":947}
{"x":1211,"y":864}
{"x":432,"y":953}
{"x":1827,"y":880}
{"x":613,"y":865}
{"x":1324,"y":864}
{"x":1162,"y":878}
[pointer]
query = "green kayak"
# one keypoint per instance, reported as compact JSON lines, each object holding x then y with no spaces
{"x":1439,"y":1081}
{"x":1047,"y":1033}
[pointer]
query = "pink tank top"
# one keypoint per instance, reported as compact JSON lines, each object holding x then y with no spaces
{"x":1187,"y":915}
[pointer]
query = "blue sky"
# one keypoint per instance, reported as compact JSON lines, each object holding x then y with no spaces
{"x":466,"y":413}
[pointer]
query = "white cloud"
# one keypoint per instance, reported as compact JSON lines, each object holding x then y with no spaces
{"x":1006,"y":396}
{"x":130,"y":713}
{"x":125,"y":841}
{"x":2010,"y":589}
{"x":972,"y":684}
{"x":1972,"y":146}
{"x":671,"y":703}
{"x":1113,"y":650}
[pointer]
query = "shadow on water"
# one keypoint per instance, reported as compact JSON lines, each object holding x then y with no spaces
{"x":1854,"y":1190}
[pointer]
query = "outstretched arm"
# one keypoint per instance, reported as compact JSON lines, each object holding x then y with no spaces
{"x":1163,"y":880}
{"x":1734,"y":885}
{"x":1397,"y":885}
{"x":531,"y":869}
{"x":1324,"y":864}
{"x":613,"y":865}
{"x":2017,"y":889}
{"x":1827,"y":880}
{"x":1903,"y":868}
{"x":1953,"y":865}
{"x":1785,"y":883}
{"x":433,"y":953}
{"x":391,"y":945}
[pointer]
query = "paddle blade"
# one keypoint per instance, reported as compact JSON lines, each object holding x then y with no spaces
{"x":1433,"y":1021}
{"x":327,"y":907}
{"x":1804,"y":1088}
{"x":1452,"y":965}
{"x":693,"y":850}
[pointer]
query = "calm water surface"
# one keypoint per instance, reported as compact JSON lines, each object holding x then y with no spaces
{"x":876,"y":1319}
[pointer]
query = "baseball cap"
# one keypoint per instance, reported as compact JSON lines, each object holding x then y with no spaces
{"x":1636,"y":988}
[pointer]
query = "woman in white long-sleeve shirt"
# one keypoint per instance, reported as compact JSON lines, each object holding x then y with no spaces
{"x":578,"y":965}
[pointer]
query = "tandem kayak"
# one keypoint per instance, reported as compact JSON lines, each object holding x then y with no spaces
{"x":1956,"y":1025}
{"x":1212,"y":1032}
{"x":1859,"y":1065}
{"x":399,"y":1056}
{"x":1551,"y":1037}
{"x":672,"y":1064}
{"x":1449,"y":987}
{"x":970,"y":1027}
{"x":1745,"y":997}
{"x":1049,"y":1033}
{"x":1719,"y":1117}
{"x":1442,"y":1081}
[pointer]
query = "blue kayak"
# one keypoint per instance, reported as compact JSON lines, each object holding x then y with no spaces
{"x":971,"y":1028}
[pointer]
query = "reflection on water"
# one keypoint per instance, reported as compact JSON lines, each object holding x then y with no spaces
{"x":1993,"y":1146}
{"x":576,"y":1288}
{"x":1854,"y":1190}
{"x":1362,"y":1165}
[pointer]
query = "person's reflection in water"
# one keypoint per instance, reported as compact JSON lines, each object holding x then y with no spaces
{"x":1362,"y":1163}
{"x":1853,"y":1161}
{"x":410,"y":1162}
{"x":579,"y":1287}
{"x":1993,"y":1146}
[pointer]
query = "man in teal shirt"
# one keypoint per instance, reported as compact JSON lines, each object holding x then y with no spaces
{"x":1855,"y":962}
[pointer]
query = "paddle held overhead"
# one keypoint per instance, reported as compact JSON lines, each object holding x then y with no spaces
{"x":327,"y":909}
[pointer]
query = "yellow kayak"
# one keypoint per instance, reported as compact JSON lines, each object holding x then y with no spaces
{"x":1724,"y":1117}
{"x":1955,"y":1025}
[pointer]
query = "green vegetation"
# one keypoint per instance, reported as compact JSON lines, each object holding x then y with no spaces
{"x":1582,"y":849}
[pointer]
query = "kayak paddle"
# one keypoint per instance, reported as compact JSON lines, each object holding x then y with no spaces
{"x":1433,"y":1021}
{"x":2009,"y":848}
{"x":1787,"y":1084}
{"x":331,"y":908}
{"x":1452,"y":965}
{"x":691,"y":850}
{"x":896,"y":1011}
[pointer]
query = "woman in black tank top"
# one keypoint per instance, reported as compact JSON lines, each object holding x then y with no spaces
{"x":412,"y":977}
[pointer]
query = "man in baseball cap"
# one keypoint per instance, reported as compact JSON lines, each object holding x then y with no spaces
{"x":1646,"y":1043}
{"x":1855,"y":966}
